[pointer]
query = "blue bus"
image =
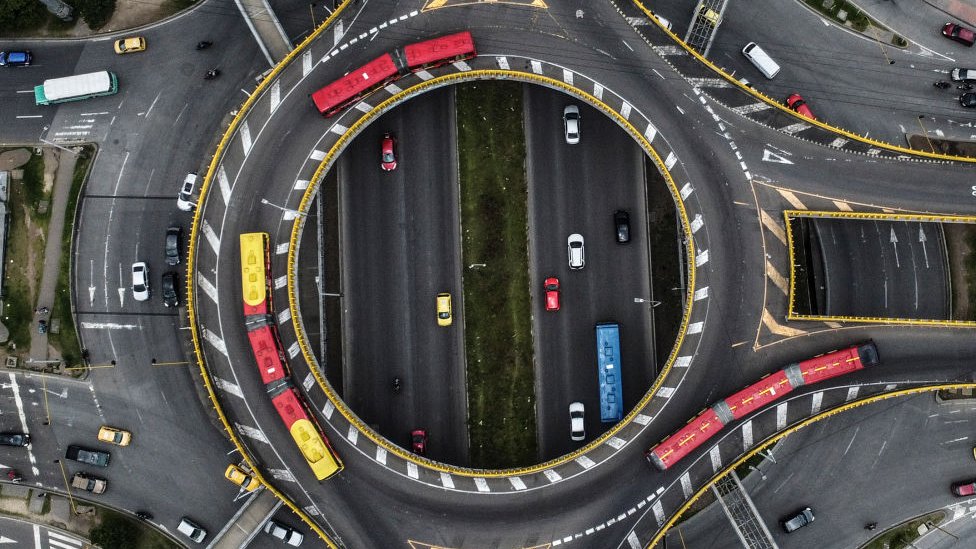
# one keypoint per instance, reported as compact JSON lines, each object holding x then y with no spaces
{"x":608,"y":360}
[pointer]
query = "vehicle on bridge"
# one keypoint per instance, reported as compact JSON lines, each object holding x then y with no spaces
{"x":76,"y":88}
{"x":768,"y":389}
{"x":392,"y":66}
{"x":262,"y":333}
{"x":308,"y":437}
{"x":608,"y":360}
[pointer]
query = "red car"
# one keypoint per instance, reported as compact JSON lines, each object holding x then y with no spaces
{"x":552,"y":293}
{"x":388,"y":156}
{"x":418,"y":441}
{"x":964,"y":488}
{"x":959,"y":33}
{"x":796,"y":102}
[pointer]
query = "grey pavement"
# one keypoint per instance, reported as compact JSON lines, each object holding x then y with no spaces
{"x":266,"y":28}
{"x":52,"y":251}
{"x":248,"y":521}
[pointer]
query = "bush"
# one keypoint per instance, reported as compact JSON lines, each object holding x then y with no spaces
{"x":21,"y":15}
{"x":95,"y":12}
{"x":115,"y":532}
{"x":860,"y":22}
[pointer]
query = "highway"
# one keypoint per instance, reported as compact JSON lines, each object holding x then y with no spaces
{"x":733,"y":177}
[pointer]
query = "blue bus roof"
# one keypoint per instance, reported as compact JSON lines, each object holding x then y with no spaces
{"x":608,"y":362}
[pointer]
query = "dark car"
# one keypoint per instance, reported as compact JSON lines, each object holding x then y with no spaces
{"x":968,"y":99}
{"x":963,"y":489}
{"x":171,"y":295}
{"x":174,"y":236}
{"x":15,"y":58}
{"x":621,"y":224}
{"x":959,"y":33}
{"x":388,"y":159}
{"x":418,"y":441}
{"x":86,"y":455}
{"x":797,"y":104}
{"x":42,"y":326}
{"x":962,"y":75}
{"x":797,"y":520}
{"x":14,"y":439}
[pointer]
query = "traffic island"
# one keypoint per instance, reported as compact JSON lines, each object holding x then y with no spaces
{"x":903,"y":535}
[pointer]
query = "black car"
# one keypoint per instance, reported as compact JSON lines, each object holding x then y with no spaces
{"x":968,"y":99}
{"x":174,"y":236}
{"x":621,"y":223}
{"x":171,"y":296}
{"x":14,"y":439}
{"x":85,"y":455}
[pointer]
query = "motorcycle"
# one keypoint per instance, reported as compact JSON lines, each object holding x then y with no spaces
{"x":204,"y":44}
{"x":211,"y":74}
{"x":942,"y":85}
{"x":144,"y":515}
{"x":13,"y":476}
{"x":396,"y":385}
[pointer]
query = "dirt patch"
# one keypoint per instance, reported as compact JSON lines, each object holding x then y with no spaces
{"x":958,"y":237}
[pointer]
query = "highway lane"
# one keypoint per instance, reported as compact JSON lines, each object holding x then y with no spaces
{"x":576,"y":189}
{"x":878,"y":451}
{"x":840,"y":73}
{"x":663,"y":98}
{"x":400,"y":241}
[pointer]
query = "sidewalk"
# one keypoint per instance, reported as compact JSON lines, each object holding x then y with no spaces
{"x":39,"y":350}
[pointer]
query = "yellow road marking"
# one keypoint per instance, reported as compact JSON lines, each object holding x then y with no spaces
{"x":436,"y":4}
{"x":791,"y":198}
{"x":778,"y":328}
{"x":842,"y":206}
{"x":777,"y":278}
{"x":773,"y":226}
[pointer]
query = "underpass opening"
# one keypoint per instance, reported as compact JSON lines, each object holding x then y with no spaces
{"x":480,"y":206}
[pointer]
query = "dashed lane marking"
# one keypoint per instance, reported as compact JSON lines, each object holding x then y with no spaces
{"x":791,"y":198}
{"x":228,"y":387}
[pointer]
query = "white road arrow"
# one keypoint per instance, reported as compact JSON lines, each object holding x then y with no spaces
{"x":121,"y":288}
{"x":7,"y":540}
{"x":894,"y":244}
{"x":770,"y":156}
{"x":922,"y":238}
{"x":91,"y":282}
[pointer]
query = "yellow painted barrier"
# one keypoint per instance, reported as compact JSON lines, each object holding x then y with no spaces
{"x":376,"y":111}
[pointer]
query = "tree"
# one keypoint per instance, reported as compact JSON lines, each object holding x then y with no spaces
{"x":115,"y":532}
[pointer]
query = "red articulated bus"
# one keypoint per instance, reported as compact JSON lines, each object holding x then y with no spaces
{"x":391,"y":66}
{"x":306,"y":434}
{"x":267,"y":353}
{"x":759,"y":394}
{"x":430,"y":54}
{"x":262,"y":333}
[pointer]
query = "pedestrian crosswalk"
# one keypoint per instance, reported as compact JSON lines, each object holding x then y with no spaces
{"x":58,"y":540}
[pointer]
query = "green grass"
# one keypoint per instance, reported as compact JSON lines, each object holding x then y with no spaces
{"x":25,"y":253}
{"x":66,"y":341}
{"x":120,"y":531}
{"x":902,"y":536}
{"x":498,"y":328}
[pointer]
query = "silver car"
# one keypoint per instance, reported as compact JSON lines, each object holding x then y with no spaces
{"x":184,"y":200}
{"x":576,"y":414}
{"x":191,"y":530}
{"x":571,"y":123}
{"x":577,"y":256}
{"x":140,"y":281}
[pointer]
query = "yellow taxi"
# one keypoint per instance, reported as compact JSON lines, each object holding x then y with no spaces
{"x":237,"y":475}
{"x":131,"y":44}
{"x":444,"y":309}
{"x":112,"y":435}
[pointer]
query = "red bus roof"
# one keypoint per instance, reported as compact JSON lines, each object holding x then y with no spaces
{"x":289,"y":407}
{"x":356,"y":82}
{"x":831,"y":365}
{"x":689,"y":437}
{"x":267,"y":354}
{"x":759,"y":394}
{"x":440,"y":50}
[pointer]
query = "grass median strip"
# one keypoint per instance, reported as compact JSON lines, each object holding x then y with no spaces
{"x":497,"y":315}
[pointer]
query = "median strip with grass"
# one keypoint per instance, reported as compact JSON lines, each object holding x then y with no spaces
{"x":497,"y":316}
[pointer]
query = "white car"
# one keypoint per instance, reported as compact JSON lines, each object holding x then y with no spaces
{"x":576,"y":430}
{"x":184,"y":200}
{"x":284,"y":533}
{"x":191,"y":530}
{"x":571,"y":123}
{"x":664,"y":22}
{"x":577,"y":257}
{"x":140,"y":281}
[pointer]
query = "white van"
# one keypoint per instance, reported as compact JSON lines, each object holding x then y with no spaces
{"x":761,"y":60}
